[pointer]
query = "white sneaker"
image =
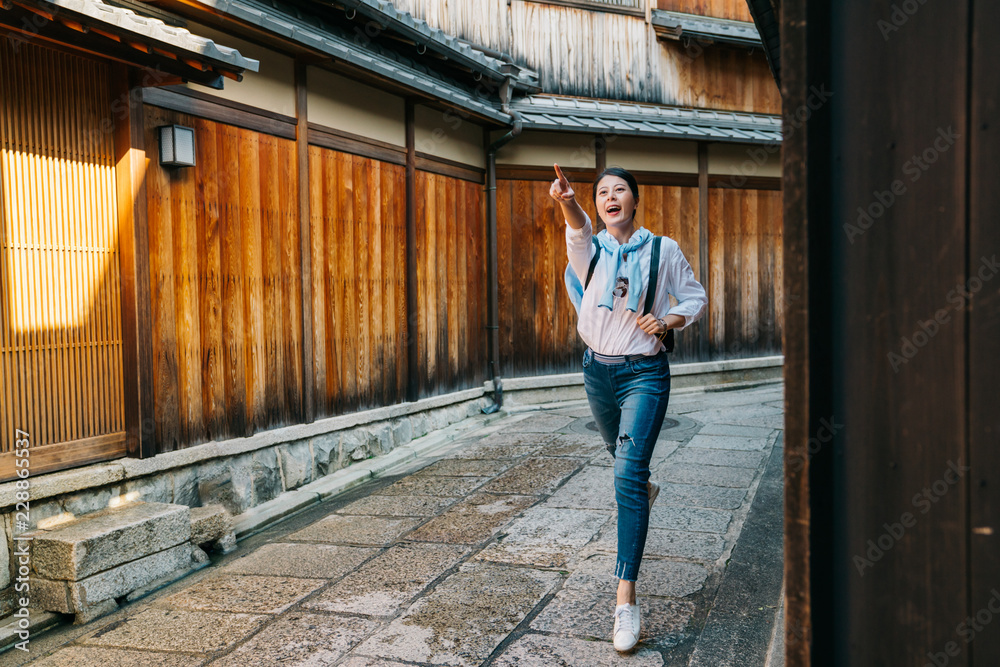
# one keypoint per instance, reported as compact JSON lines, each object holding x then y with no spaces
{"x":626,"y":626}
{"x":653,"y":490}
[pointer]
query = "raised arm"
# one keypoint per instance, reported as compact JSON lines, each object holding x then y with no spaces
{"x":563,"y":193}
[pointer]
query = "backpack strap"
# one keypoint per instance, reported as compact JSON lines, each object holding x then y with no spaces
{"x":654,"y":270}
{"x":593,"y":262}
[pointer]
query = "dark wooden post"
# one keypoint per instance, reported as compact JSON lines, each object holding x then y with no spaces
{"x":305,"y":239}
{"x":412,"y":313}
{"x":703,"y":268}
{"x":133,"y":240}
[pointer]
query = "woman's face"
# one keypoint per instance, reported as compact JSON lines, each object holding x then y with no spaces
{"x":615,"y":203}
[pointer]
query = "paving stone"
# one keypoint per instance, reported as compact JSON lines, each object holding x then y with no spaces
{"x":694,"y":519}
{"x":417,"y":485}
{"x":397,"y":506}
{"x":93,"y":656}
{"x":662,"y":451}
{"x":496,"y":452}
{"x":693,"y":495}
{"x":99,"y":541}
{"x":682,"y":544}
{"x":362,"y":530}
{"x":574,"y":445}
{"x":534,"y":476}
{"x":466,"y":468}
{"x":590,"y":615}
{"x":591,"y":488}
{"x":734,"y":430}
{"x":546,"y":537}
{"x":463,"y":620}
{"x":666,"y":543}
{"x":473,"y":520}
{"x":301,"y":638}
{"x":177,"y":630}
{"x":547,"y":651}
{"x":666,"y":578}
{"x":728,"y":442}
{"x":717,"y":457}
{"x":245,"y":594}
{"x":739,"y":415}
{"x":543,"y":423}
{"x":385,"y":583}
{"x":501,"y":439}
{"x":308,"y":561}
{"x":692,"y":473}
{"x":362,"y":661}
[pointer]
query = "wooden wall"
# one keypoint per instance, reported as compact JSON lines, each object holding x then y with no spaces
{"x":358,"y":209}
{"x":225,"y":285}
{"x":745,"y":273}
{"x":607,"y":54}
{"x":724,"y":9}
{"x":451,"y":283}
{"x":538,"y":323}
{"x":60,"y":309}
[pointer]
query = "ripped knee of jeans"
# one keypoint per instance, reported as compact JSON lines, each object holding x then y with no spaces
{"x":621,"y":442}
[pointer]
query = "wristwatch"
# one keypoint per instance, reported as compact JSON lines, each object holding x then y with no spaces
{"x":666,"y":329}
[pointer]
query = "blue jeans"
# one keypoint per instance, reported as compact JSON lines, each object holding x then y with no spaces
{"x":629,"y":401}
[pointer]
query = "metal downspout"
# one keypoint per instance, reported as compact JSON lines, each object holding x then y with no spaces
{"x":492,"y":286}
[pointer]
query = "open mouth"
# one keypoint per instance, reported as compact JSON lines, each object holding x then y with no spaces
{"x":614,"y":209}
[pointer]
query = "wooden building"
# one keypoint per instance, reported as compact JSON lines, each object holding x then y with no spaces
{"x":332,"y":247}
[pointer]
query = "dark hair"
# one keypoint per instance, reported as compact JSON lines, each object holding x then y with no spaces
{"x":622,"y":174}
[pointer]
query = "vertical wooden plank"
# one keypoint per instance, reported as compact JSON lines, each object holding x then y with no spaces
{"x":766,"y":252}
{"x":362,"y":272}
{"x":291,"y":282}
{"x":209,"y":250}
{"x":505,"y":276}
{"x":542,"y":222}
{"x":332,"y":163}
{"x":717,"y":273}
{"x":750,"y":275}
{"x":451,"y":239}
{"x":166,"y":405}
{"x":703,"y":250}
{"x":525,"y":348}
{"x":186,"y":273}
{"x":404,"y":241}
{"x":734,"y":276}
{"x":442,"y":243}
{"x":234,"y":284}
{"x":350,"y":227}
{"x":375,"y":276}
{"x":319,"y":303}
{"x":253,"y":268}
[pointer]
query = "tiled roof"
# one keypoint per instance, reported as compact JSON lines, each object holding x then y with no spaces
{"x":336,"y":43}
{"x":677,"y":25}
{"x":118,"y":20}
{"x":566,"y":114}
{"x":435,"y":39}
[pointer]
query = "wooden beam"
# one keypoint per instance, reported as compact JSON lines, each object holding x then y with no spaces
{"x":412,"y":359}
{"x":133,"y":239}
{"x":305,"y":245}
{"x":703,"y":256}
{"x":600,"y":153}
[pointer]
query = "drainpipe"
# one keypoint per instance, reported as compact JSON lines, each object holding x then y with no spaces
{"x":493,"y":309}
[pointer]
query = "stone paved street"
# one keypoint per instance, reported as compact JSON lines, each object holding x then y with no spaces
{"x":497,"y":550}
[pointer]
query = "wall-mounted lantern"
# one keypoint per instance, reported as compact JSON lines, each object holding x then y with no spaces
{"x":176,"y":146}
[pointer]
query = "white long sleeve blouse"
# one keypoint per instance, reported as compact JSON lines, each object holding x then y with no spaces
{"x":615,"y":331}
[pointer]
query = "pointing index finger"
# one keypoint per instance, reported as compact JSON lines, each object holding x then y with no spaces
{"x":561,"y":175}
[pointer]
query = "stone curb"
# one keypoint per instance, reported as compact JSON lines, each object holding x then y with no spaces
{"x":257,"y":518}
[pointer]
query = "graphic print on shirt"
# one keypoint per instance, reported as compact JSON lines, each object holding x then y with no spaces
{"x":621,"y":288}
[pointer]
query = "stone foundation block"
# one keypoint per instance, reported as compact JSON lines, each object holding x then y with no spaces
{"x":103,"y":540}
{"x":70,"y":597}
{"x":213,"y":524}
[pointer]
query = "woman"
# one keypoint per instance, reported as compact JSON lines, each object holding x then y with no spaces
{"x":625,"y":368}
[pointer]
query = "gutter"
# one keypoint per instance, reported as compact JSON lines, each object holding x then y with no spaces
{"x":492,"y":271}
